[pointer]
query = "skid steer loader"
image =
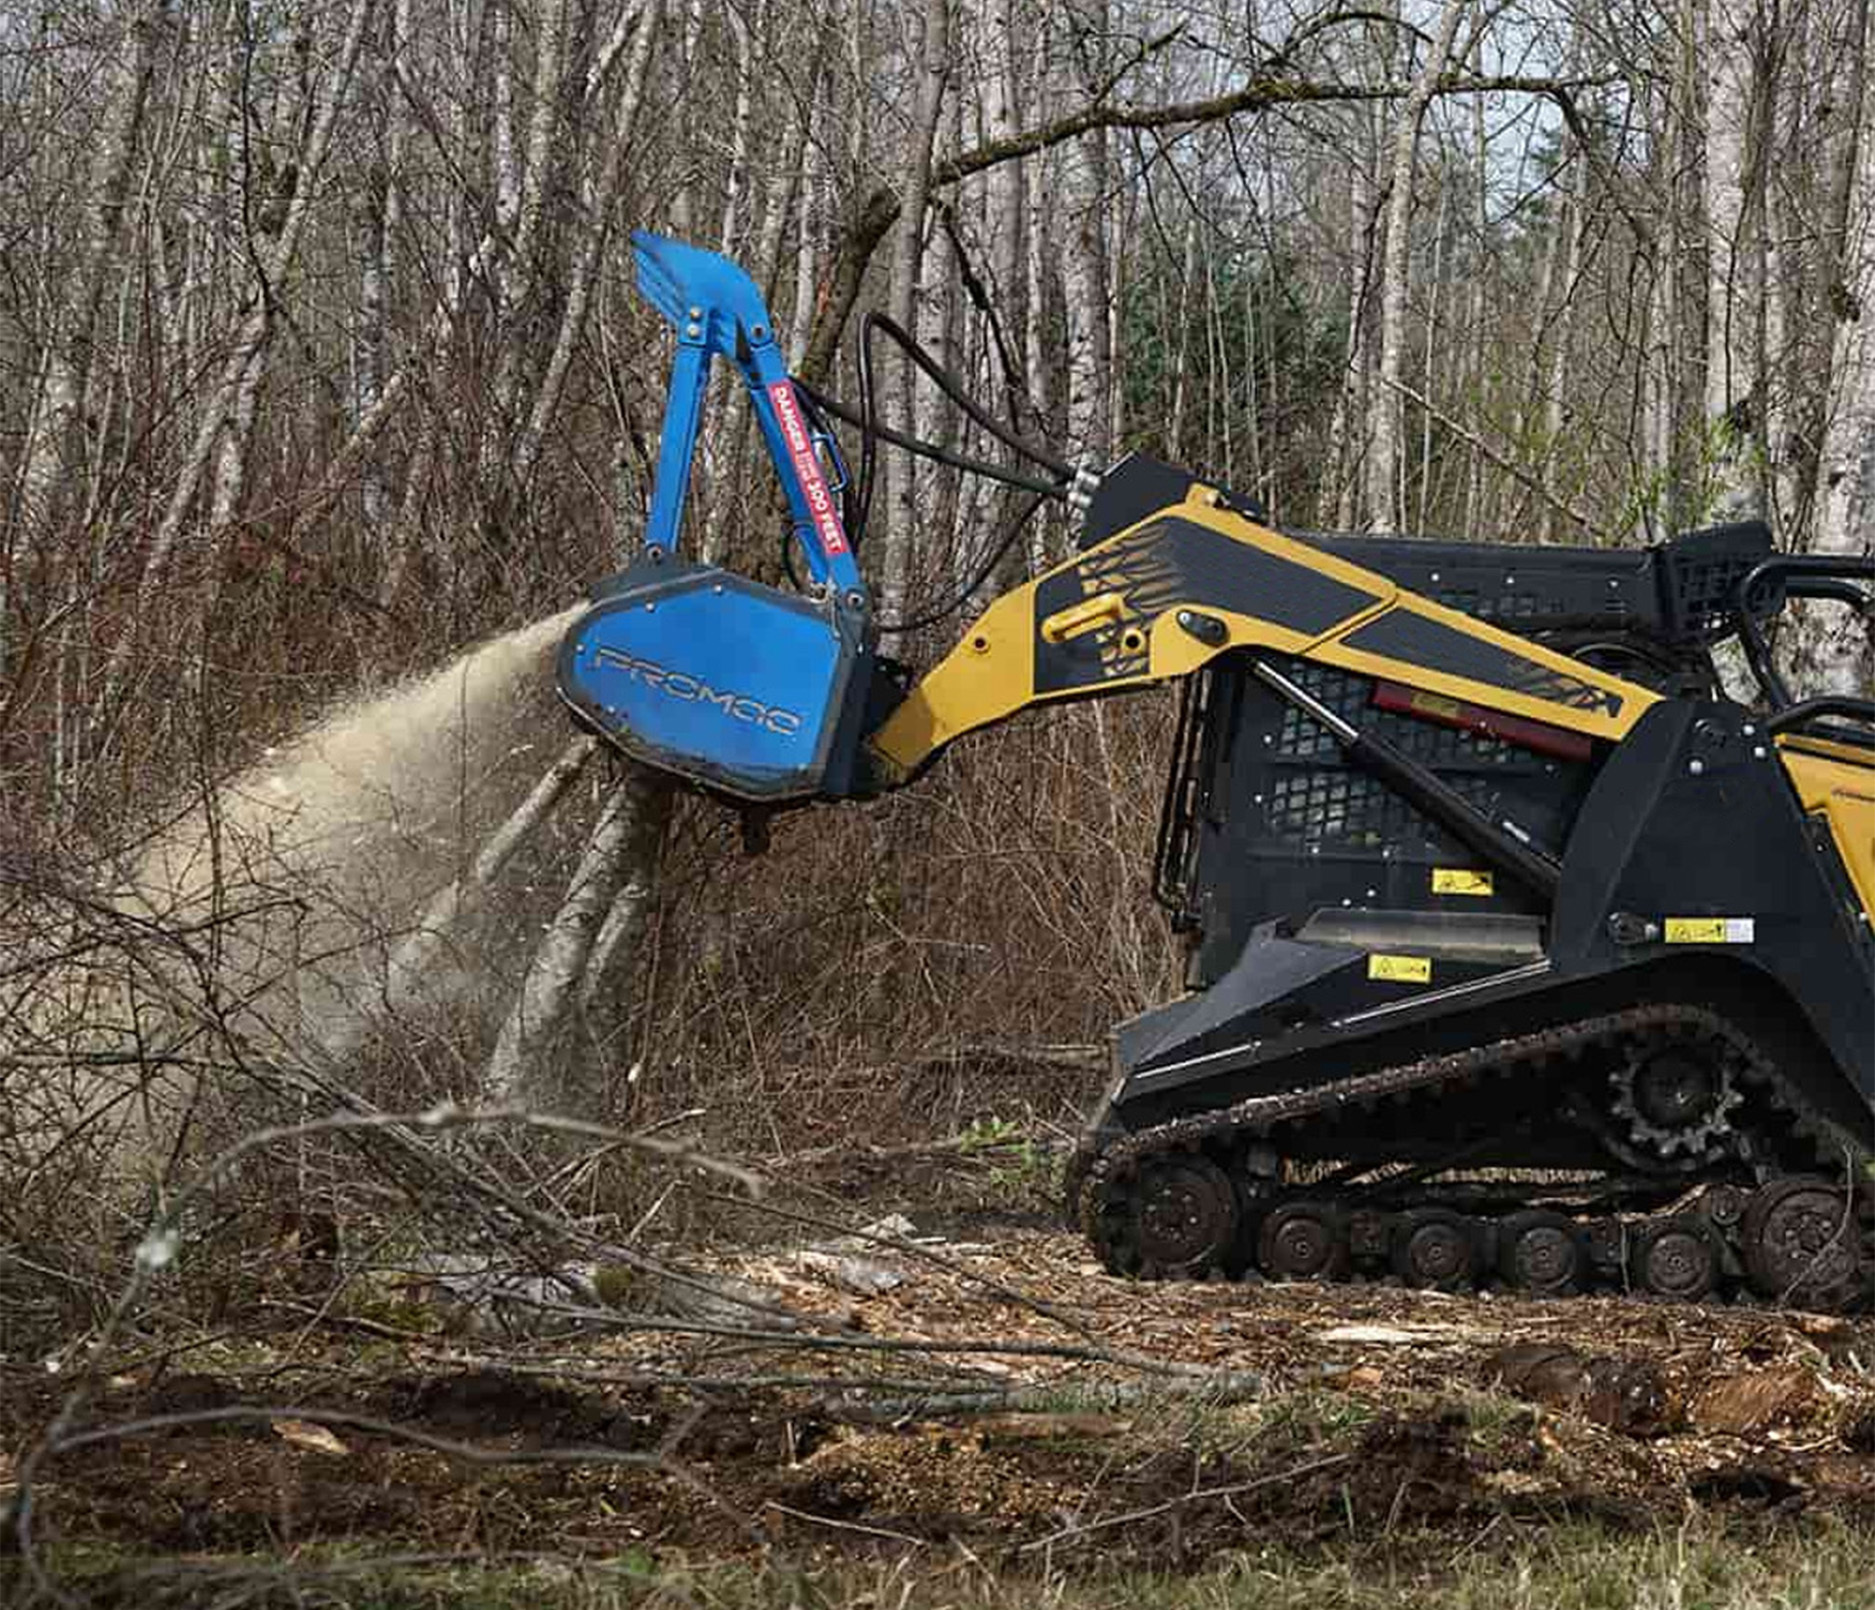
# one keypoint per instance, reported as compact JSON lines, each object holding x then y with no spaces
{"x":1519,"y":953}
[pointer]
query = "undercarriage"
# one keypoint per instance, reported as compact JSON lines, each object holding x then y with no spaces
{"x":1654,"y":1150}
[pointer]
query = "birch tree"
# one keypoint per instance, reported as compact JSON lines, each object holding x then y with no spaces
{"x":1386,"y":479}
{"x":59,"y":406}
{"x":932,"y":59}
{"x":1350,"y":426}
{"x":1836,"y":657}
{"x":1087,"y":267}
{"x":274,"y":262}
{"x":1734,"y":170}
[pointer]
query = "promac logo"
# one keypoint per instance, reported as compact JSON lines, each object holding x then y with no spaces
{"x":693,"y":690}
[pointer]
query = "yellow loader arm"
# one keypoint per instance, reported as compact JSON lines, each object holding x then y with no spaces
{"x":1165,"y":596}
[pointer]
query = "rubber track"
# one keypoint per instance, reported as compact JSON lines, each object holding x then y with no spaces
{"x":1091,"y":1175}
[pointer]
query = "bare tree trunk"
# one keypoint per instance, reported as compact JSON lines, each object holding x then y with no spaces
{"x":817,"y":203}
{"x":1662,"y":251}
{"x":604,"y":993}
{"x":370,"y":340}
{"x":1386,"y":481}
{"x":522,"y":1067}
{"x":1178,"y":342}
{"x":937,"y":498}
{"x":786,"y":188}
{"x":758,"y":212}
{"x":237,"y":434}
{"x":1734,"y":385}
{"x":1785,"y":487}
{"x":1826,"y":83}
{"x":1834,"y":656}
{"x":735,"y":225}
{"x":67,"y":365}
{"x":1004,"y":196}
{"x":249,"y":340}
{"x":1038,"y":365}
{"x":1087,"y":272}
{"x":1348,"y":430}
{"x":685,"y":48}
{"x":1478,"y":359}
{"x":1123,"y":222}
{"x":1429,"y":357}
{"x":1569,"y":227}
{"x":899,"y":485}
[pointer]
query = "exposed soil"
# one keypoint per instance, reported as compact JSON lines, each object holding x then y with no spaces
{"x":1374,"y":1414}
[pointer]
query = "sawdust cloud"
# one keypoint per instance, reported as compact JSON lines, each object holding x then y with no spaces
{"x":262,"y":921}
{"x":306,"y":870}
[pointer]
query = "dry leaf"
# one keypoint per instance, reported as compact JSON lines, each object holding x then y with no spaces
{"x":1747,"y":1405}
{"x":304,"y":1434}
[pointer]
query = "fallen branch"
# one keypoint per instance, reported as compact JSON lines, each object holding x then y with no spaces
{"x":1011,"y":1294}
{"x":845,"y":1526}
{"x":1097,"y":1398}
{"x":951,"y":1146}
{"x":1235,"y":1490}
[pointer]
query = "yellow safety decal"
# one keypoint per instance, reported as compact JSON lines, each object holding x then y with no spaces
{"x":1400,"y":969}
{"x":1461,"y":880}
{"x":1712,"y":931}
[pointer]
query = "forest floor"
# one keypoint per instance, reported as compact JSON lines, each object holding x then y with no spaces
{"x":1121,"y":1445}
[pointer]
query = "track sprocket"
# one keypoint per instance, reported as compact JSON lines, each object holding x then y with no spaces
{"x":1677,"y":1099}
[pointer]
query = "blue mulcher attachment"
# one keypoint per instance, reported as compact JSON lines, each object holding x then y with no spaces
{"x":732,"y":686}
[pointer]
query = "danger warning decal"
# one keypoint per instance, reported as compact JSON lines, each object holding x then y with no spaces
{"x":807,"y":471}
{"x":1712,"y":931}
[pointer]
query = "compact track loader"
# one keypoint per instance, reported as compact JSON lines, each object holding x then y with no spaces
{"x":1519,"y":953}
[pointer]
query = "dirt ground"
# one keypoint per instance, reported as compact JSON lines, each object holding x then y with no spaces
{"x":1002,"y":1394}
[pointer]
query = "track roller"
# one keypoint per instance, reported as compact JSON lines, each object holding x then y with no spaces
{"x":1369,"y":1232}
{"x":1677,"y":1258}
{"x":1541,"y":1253}
{"x":1435,"y":1247}
{"x":1302,"y":1241}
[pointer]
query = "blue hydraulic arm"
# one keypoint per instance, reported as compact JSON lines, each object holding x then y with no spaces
{"x":717,"y":311}
{"x":742,"y":689}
